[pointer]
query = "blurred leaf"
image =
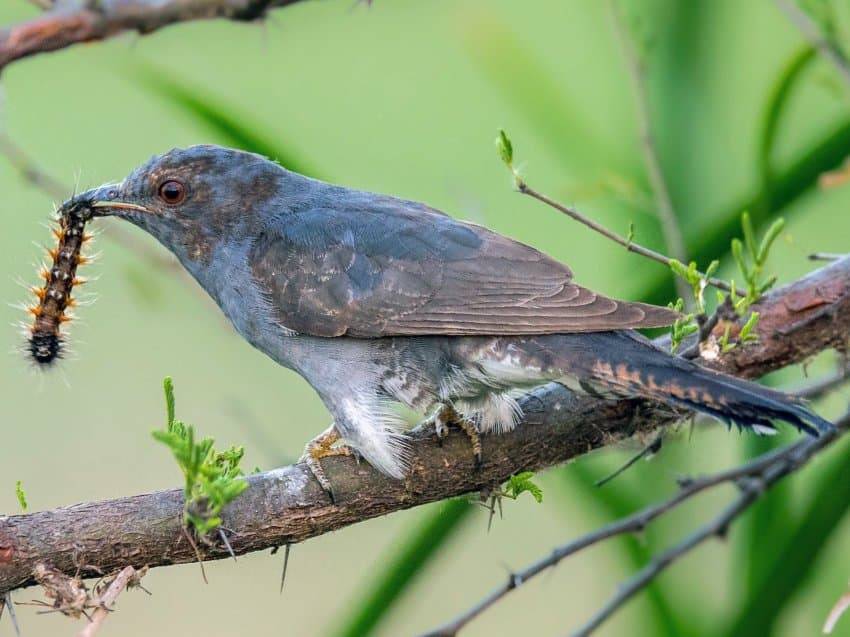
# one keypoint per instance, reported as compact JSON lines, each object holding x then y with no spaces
{"x":21,"y":495}
{"x":783,"y":88}
{"x":802,"y":545}
{"x":530,"y":88}
{"x":399,"y":571}
{"x":614,"y":503}
{"x":223,"y":120}
{"x":786,"y":187}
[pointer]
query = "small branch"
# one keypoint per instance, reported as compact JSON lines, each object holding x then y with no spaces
{"x":62,"y":26}
{"x":815,"y":37}
{"x":631,"y":246}
{"x":825,"y":256}
{"x":837,"y":611}
{"x":287,"y":505}
{"x":666,"y":213}
{"x":106,"y":600}
{"x":753,"y":479}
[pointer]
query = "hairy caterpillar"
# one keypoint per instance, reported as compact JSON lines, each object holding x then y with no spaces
{"x":45,"y":343}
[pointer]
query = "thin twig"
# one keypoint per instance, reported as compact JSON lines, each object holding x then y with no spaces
{"x":285,"y":565}
{"x":766,"y":469}
{"x":6,"y":603}
{"x":198,"y":557}
{"x":106,"y":600}
{"x":812,"y":32}
{"x":825,"y":256}
{"x":666,"y":213}
{"x":837,"y":611}
{"x":651,"y":449}
{"x":69,"y":23}
{"x":752,"y":485}
{"x":631,"y":246}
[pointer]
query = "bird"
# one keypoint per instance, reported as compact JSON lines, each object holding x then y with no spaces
{"x":379,"y":301}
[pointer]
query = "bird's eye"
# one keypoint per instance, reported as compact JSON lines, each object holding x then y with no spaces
{"x":172,"y":192}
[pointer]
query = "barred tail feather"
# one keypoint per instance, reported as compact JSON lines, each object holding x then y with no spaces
{"x":653,"y":373}
{"x":745,"y":404}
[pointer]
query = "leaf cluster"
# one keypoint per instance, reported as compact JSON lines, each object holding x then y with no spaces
{"x":212,"y":478}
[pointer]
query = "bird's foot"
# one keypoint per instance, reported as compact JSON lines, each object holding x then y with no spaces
{"x":320,"y":447}
{"x":445,"y":417}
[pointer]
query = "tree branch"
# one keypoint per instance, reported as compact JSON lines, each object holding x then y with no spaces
{"x":287,"y":505}
{"x":813,"y":34}
{"x":74,"y":21}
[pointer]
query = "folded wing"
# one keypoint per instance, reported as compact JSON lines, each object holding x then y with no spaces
{"x":398,"y":268}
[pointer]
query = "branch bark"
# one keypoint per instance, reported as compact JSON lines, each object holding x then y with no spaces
{"x":286,"y":505}
{"x":73,"y":21}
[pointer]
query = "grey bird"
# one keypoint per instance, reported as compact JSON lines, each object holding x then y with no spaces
{"x":376,"y":301}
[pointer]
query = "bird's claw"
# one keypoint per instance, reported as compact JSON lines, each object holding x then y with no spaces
{"x":320,"y":447}
{"x":446,"y":416}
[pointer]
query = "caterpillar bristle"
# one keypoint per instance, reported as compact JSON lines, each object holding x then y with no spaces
{"x":45,"y":348}
{"x":45,"y":343}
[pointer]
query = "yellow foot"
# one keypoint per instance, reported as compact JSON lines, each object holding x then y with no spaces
{"x":320,"y":447}
{"x":446,"y":416}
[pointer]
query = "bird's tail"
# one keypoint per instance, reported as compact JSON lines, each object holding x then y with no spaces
{"x":635,"y":367}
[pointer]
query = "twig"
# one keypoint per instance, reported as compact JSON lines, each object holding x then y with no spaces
{"x":63,"y":26}
{"x":837,"y":611}
{"x":285,"y":565}
{"x":288,"y":506}
{"x":666,"y":213}
{"x":106,"y":600}
{"x":6,"y":603}
{"x":753,"y":478}
{"x":815,"y":37}
{"x":825,"y":256}
{"x":752,"y":485}
{"x":650,"y":449}
{"x":631,"y":246}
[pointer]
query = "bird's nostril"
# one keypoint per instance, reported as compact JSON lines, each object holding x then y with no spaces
{"x":112,"y":194}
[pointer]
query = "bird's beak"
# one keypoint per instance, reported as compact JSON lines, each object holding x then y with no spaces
{"x":105,"y":201}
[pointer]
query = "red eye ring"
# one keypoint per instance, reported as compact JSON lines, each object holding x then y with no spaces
{"x":172,"y":192}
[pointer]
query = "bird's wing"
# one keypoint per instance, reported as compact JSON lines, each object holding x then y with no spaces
{"x":393,"y":268}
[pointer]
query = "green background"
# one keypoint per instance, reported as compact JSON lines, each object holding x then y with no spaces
{"x":405,"y":97}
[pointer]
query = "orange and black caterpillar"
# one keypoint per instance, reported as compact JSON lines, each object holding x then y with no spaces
{"x":54,"y":297}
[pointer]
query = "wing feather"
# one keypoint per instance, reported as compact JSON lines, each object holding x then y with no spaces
{"x":397,"y":268}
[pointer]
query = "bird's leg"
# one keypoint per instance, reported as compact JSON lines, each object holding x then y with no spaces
{"x":446,"y":416}
{"x":320,"y":447}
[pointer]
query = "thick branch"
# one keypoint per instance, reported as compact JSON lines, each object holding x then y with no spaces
{"x":74,"y":21}
{"x":286,"y":505}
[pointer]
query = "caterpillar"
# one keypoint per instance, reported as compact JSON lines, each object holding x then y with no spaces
{"x":45,"y":342}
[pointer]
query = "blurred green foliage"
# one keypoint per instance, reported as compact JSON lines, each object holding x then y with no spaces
{"x":744,"y":123}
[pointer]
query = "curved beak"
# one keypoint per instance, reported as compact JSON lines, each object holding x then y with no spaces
{"x":105,"y":201}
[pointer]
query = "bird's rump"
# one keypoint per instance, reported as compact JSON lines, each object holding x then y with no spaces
{"x":398,"y":268}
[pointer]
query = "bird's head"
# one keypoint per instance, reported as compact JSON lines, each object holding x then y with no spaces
{"x":193,"y":199}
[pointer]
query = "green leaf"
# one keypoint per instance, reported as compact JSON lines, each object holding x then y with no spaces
{"x":382,"y":588}
{"x":767,"y":241}
{"x":505,"y":148}
{"x":746,"y":334}
{"x":168,"y":387}
{"x":212,"y":479}
{"x":522,"y":483}
{"x":21,"y":495}
{"x":223,"y":120}
{"x":749,"y":235}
